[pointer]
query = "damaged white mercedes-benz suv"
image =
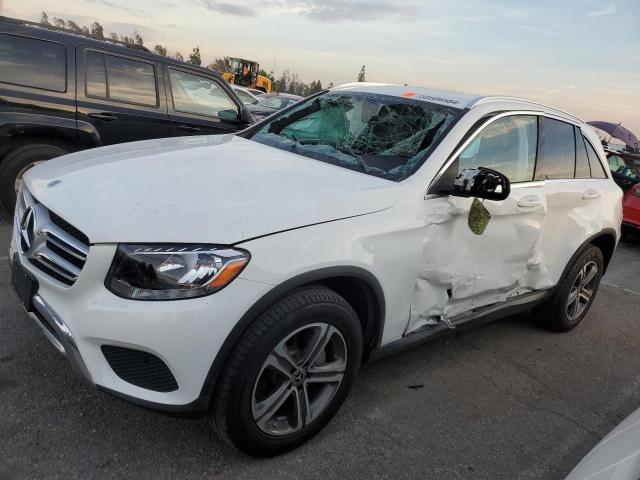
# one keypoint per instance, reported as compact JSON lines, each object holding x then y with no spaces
{"x":249,"y":276}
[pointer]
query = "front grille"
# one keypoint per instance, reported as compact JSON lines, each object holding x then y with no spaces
{"x":139,"y":368}
{"x":50,"y":243}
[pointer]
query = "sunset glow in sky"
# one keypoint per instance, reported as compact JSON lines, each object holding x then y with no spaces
{"x":579,"y":55}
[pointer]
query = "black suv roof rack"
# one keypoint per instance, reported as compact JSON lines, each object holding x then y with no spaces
{"x":53,"y":28}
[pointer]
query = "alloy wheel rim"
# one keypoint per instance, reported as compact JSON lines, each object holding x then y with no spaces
{"x":582,"y":290}
{"x":298,"y":379}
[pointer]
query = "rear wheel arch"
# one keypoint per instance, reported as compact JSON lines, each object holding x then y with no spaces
{"x":606,"y":242}
{"x":349,"y":282}
{"x":29,"y":137}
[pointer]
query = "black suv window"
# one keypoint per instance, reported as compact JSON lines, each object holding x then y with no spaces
{"x":556,"y":150}
{"x":121,"y":79}
{"x":33,"y":63}
{"x":583,"y":170}
{"x":200,"y":96}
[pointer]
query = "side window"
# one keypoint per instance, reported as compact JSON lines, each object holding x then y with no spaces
{"x":96,"y":75}
{"x":120,"y":79}
{"x":597,"y":170}
{"x":33,"y":63}
{"x":201,"y":96}
{"x":246,"y":98}
{"x":131,"y":81}
{"x":557,"y":150}
{"x":583,"y":170}
{"x":616,"y":163}
{"x":507,"y":145}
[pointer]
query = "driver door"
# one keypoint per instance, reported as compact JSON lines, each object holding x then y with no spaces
{"x":462,"y":270}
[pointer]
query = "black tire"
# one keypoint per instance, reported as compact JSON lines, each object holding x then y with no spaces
{"x":16,"y":161}
{"x":555,"y":314}
{"x":231,"y":410}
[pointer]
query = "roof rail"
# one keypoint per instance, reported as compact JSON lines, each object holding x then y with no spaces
{"x":491,"y":98}
{"x":53,"y":28}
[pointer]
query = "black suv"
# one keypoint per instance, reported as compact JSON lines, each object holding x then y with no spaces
{"x":62,"y":92}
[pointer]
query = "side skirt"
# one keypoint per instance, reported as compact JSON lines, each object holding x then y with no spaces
{"x":463,"y":321}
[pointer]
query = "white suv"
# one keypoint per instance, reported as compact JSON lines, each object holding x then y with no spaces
{"x":249,"y":276}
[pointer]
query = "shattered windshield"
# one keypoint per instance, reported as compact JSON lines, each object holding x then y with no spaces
{"x":380,"y":135}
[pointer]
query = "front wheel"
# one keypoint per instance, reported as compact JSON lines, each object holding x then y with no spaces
{"x":574,"y":294}
{"x":289,"y":373}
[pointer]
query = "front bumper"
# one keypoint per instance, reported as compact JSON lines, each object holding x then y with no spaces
{"x":59,"y":334}
{"x":185,"y":334}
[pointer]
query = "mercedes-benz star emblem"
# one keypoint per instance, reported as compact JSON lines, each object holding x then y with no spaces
{"x":27,"y":229}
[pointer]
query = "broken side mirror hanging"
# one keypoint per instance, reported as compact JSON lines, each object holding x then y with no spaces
{"x":481,"y":183}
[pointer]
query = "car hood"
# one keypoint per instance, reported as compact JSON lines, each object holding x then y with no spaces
{"x":210,"y":189}
{"x":617,"y":457}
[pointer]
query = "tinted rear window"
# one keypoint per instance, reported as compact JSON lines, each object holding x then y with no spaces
{"x":131,"y":81}
{"x":583,"y":170}
{"x":120,"y":79}
{"x":597,"y":170}
{"x":96,"y":75}
{"x":33,"y":63}
{"x":556,"y":151}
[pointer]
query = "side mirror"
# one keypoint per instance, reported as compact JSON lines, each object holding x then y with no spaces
{"x":481,"y":183}
{"x":245,"y":116}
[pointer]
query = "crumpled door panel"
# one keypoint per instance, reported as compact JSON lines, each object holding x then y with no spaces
{"x":461,"y":270}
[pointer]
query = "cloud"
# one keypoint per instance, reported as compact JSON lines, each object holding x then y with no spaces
{"x":228,"y":8}
{"x":132,"y":11}
{"x":608,"y":10}
{"x":339,"y":11}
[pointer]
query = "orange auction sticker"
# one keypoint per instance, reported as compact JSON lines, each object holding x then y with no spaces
{"x":409,"y":94}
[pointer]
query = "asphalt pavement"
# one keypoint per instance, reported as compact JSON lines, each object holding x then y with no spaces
{"x":506,"y":400}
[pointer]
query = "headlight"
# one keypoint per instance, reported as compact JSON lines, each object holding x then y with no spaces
{"x":172,"y":272}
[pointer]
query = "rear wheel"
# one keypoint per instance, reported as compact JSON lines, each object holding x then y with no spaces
{"x":16,"y":163}
{"x":289,"y":373}
{"x":574,"y":294}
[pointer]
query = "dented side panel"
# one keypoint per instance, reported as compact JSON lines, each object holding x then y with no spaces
{"x":460,"y":270}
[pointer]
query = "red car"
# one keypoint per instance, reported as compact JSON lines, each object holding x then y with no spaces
{"x":631,"y":207}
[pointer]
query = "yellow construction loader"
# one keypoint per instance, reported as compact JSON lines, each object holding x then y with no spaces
{"x":239,"y":71}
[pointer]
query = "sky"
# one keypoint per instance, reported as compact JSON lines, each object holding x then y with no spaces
{"x":579,"y":55}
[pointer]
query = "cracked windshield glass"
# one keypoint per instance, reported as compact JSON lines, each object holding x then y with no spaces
{"x":385,"y":136}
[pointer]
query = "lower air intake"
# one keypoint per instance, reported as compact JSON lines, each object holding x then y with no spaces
{"x":140,"y":368}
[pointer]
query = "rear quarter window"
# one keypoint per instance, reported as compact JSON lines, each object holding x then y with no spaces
{"x":597,"y":170}
{"x":33,"y":63}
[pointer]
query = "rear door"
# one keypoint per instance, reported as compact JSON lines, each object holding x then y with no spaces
{"x":575,"y":190}
{"x":200,"y":105}
{"x":120,"y":95}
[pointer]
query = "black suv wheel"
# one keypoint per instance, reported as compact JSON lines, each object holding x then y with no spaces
{"x":17,"y":162}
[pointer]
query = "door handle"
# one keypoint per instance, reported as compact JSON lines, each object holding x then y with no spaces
{"x":530,"y":201}
{"x":188,"y":128}
{"x":104,"y":117}
{"x":590,"y":195}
